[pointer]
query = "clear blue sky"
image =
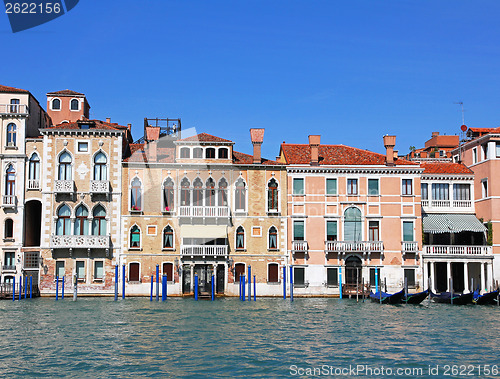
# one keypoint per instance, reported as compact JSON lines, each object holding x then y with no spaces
{"x":348,"y":70}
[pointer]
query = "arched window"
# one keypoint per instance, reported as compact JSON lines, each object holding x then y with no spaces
{"x":81,"y":221}
{"x":168,"y":237}
{"x":11,"y":134}
{"x":65,"y":166}
{"x":222,"y":193}
{"x":63,"y":221}
{"x":100,"y":167}
{"x":198,"y":192}
{"x":9,"y":229}
{"x":210,"y":193}
{"x":223,"y":153}
{"x":10,"y":184}
{"x":185,"y":192}
{"x":56,"y":104}
{"x":240,"y":195}
{"x":185,"y":152}
{"x":168,"y":195}
{"x":272,"y":195}
{"x":136,"y":195}
{"x":34,"y":167}
{"x":210,"y":152}
{"x":99,"y":221}
{"x":240,"y":238}
{"x":135,"y":237}
{"x":197,"y":152}
{"x":273,"y":238}
{"x":75,"y":105}
{"x":352,"y":224}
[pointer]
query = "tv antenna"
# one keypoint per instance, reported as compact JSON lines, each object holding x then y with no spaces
{"x":461,"y":103}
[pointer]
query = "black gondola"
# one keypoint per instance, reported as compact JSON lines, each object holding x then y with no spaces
{"x":487,"y":298}
{"x":458,"y":299}
{"x":387,"y":298}
{"x":415,"y":298}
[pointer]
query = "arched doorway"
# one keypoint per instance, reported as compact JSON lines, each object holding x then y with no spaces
{"x":352,"y":270}
{"x":32,"y":223}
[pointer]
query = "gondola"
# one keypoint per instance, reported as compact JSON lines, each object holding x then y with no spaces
{"x":487,"y":298}
{"x":415,"y":298}
{"x":458,"y":299}
{"x":387,"y":298}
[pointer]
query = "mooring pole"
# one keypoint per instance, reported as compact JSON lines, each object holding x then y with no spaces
{"x":25,"y":286}
{"x":291,"y":283}
{"x":284,"y":282}
{"x":123,"y":281}
{"x":157,"y":282}
{"x":213,"y":288}
{"x":164,"y":287}
{"x":239,"y":285}
{"x":376,"y":279}
{"x":62,"y":289}
{"x":254,"y":289}
{"x":243,"y":289}
{"x":31,"y":287}
{"x":406,"y":290}
{"x":151,"y":290}
{"x":340,"y":281}
{"x":451,"y":290}
{"x":357,"y":284}
{"x":116,"y":282}
{"x":75,"y":286}
{"x":385,"y":284}
{"x":57,"y":287}
{"x":363,"y":289}
{"x":14,"y":288}
{"x":249,"y":282}
{"x":195,"y":286}
{"x":429,"y":289}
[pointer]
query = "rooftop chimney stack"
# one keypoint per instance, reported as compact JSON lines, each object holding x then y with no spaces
{"x":257,"y":136}
{"x":108,"y":120}
{"x":389,"y":143}
{"x":314,"y":142}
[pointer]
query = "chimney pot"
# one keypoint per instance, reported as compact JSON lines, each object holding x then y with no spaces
{"x":314,"y":142}
{"x":257,"y":137}
{"x":108,"y":120}
{"x":434,"y":134}
{"x":389,"y":143}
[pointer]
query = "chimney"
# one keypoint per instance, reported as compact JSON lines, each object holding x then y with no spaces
{"x":314,"y":142}
{"x":108,"y":120}
{"x":434,"y":134}
{"x":389,"y":143}
{"x":257,"y":136}
{"x":129,"y":126}
{"x":152,"y":152}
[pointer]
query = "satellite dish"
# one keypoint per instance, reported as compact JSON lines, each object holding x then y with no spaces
{"x":464,"y":128}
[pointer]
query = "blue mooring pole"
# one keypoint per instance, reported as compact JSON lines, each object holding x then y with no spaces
{"x":340,"y":282}
{"x":213,"y":288}
{"x":196,"y":286}
{"x":291,"y":283}
{"x":163,"y":288}
{"x":57,"y":287}
{"x":249,"y":283}
{"x":123,"y":281}
{"x":284,"y":282}
{"x":62,"y":290}
{"x":25,"y":286}
{"x":243,"y":288}
{"x":116,"y":282}
{"x":14,"y":288}
{"x":157,"y":283}
{"x":254,"y":289}
{"x":376,"y":279}
{"x":20,"y":287}
{"x":31,"y":287}
{"x":151,"y":292}
{"x":239,"y":286}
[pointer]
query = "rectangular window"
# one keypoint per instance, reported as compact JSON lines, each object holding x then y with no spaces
{"x":331,"y":230}
{"x":441,"y":153}
{"x":298,"y":186}
{"x":272,"y":273}
{"x":332,"y":277}
{"x":424,"y":188}
{"x":474,"y":155}
{"x":60,"y":269}
{"x":31,"y":259}
{"x":299,"y":276}
{"x":410,"y":277}
{"x":83,"y":147}
{"x":440,"y":191}
{"x":352,"y":186}
{"x":408,"y":231}
{"x":485,"y":151}
{"x":10,"y":258}
{"x":407,"y":187}
{"x":373,"y":231}
{"x":461,"y":191}
{"x":485,"y":188}
{"x":80,"y":270}
{"x":298,"y":230}
{"x":372,"y":277}
{"x":98,"y":270}
{"x":168,"y":271}
{"x":373,"y":188}
{"x":331,"y":186}
{"x":498,"y":150}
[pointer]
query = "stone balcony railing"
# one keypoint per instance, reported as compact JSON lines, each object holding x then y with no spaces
{"x":8,"y":268}
{"x":33,"y":184}
{"x":300,"y":247}
{"x":9,"y":201}
{"x":13,"y":109}
{"x":99,"y":186}
{"x":409,"y":247}
{"x":200,"y":250}
{"x":64,"y":186}
{"x":461,"y":204}
{"x":353,"y":246}
{"x":79,"y":242}
{"x":456,"y":250}
{"x":201,"y":211}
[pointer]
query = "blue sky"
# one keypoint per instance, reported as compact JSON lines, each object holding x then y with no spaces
{"x":351,"y":71}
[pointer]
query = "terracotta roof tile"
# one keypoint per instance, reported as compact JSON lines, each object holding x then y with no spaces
{"x":66,"y":92}
{"x":97,"y":124}
{"x":204,"y":137}
{"x":485,"y":130}
{"x":242,"y":158}
{"x":336,"y":155}
{"x":12,"y":89}
{"x":445,"y":168}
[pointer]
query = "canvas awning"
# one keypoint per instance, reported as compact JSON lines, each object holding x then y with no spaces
{"x":204,"y":231}
{"x":451,"y":223}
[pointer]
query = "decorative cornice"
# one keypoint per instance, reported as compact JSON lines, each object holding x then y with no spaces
{"x":357,"y":170}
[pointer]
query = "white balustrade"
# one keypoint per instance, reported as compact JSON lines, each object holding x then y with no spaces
{"x":8,"y":201}
{"x":409,"y":247}
{"x":33,"y":184}
{"x":299,"y":246}
{"x":99,"y":186}
{"x":348,"y":246}
{"x":77,"y":242}
{"x":201,"y":211}
{"x":457,"y":250}
{"x":13,"y":109}
{"x":64,"y":186}
{"x":211,"y":250}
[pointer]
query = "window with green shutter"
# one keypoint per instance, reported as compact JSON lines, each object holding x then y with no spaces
{"x":331,"y":230}
{"x":60,"y":269}
{"x":373,"y":188}
{"x":98,"y":269}
{"x":331,"y":186}
{"x":298,"y":186}
{"x":80,"y":270}
{"x":408,"y":231}
{"x":298,"y":230}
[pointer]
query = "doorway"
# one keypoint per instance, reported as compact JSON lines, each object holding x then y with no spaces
{"x":352,"y":271}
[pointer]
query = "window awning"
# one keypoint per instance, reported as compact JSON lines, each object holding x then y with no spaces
{"x":204,"y":231}
{"x":451,"y":223}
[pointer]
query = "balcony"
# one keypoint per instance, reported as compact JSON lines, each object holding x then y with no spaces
{"x":200,"y":211}
{"x":13,"y":110}
{"x":409,"y":247}
{"x":9,"y":201}
{"x":99,"y":186}
{"x":353,"y":246}
{"x":457,"y":250}
{"x":299,"y":247}
{"x":8,"y":268}
{"x":64,"y":186}
{"x":79,"y":242}
{"x":447,"y":205}
{"x":202,"y":250}
{"x":33,"y":184}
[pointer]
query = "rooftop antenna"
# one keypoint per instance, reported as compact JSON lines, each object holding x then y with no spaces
{"x":461,"y":103}
{"x":463,"y":128}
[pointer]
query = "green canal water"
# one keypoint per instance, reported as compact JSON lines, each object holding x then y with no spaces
{"x":97,"y":337}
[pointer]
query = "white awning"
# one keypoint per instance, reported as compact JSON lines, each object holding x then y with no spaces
{"x":204,"y":231}
{"x":451,"y":223}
